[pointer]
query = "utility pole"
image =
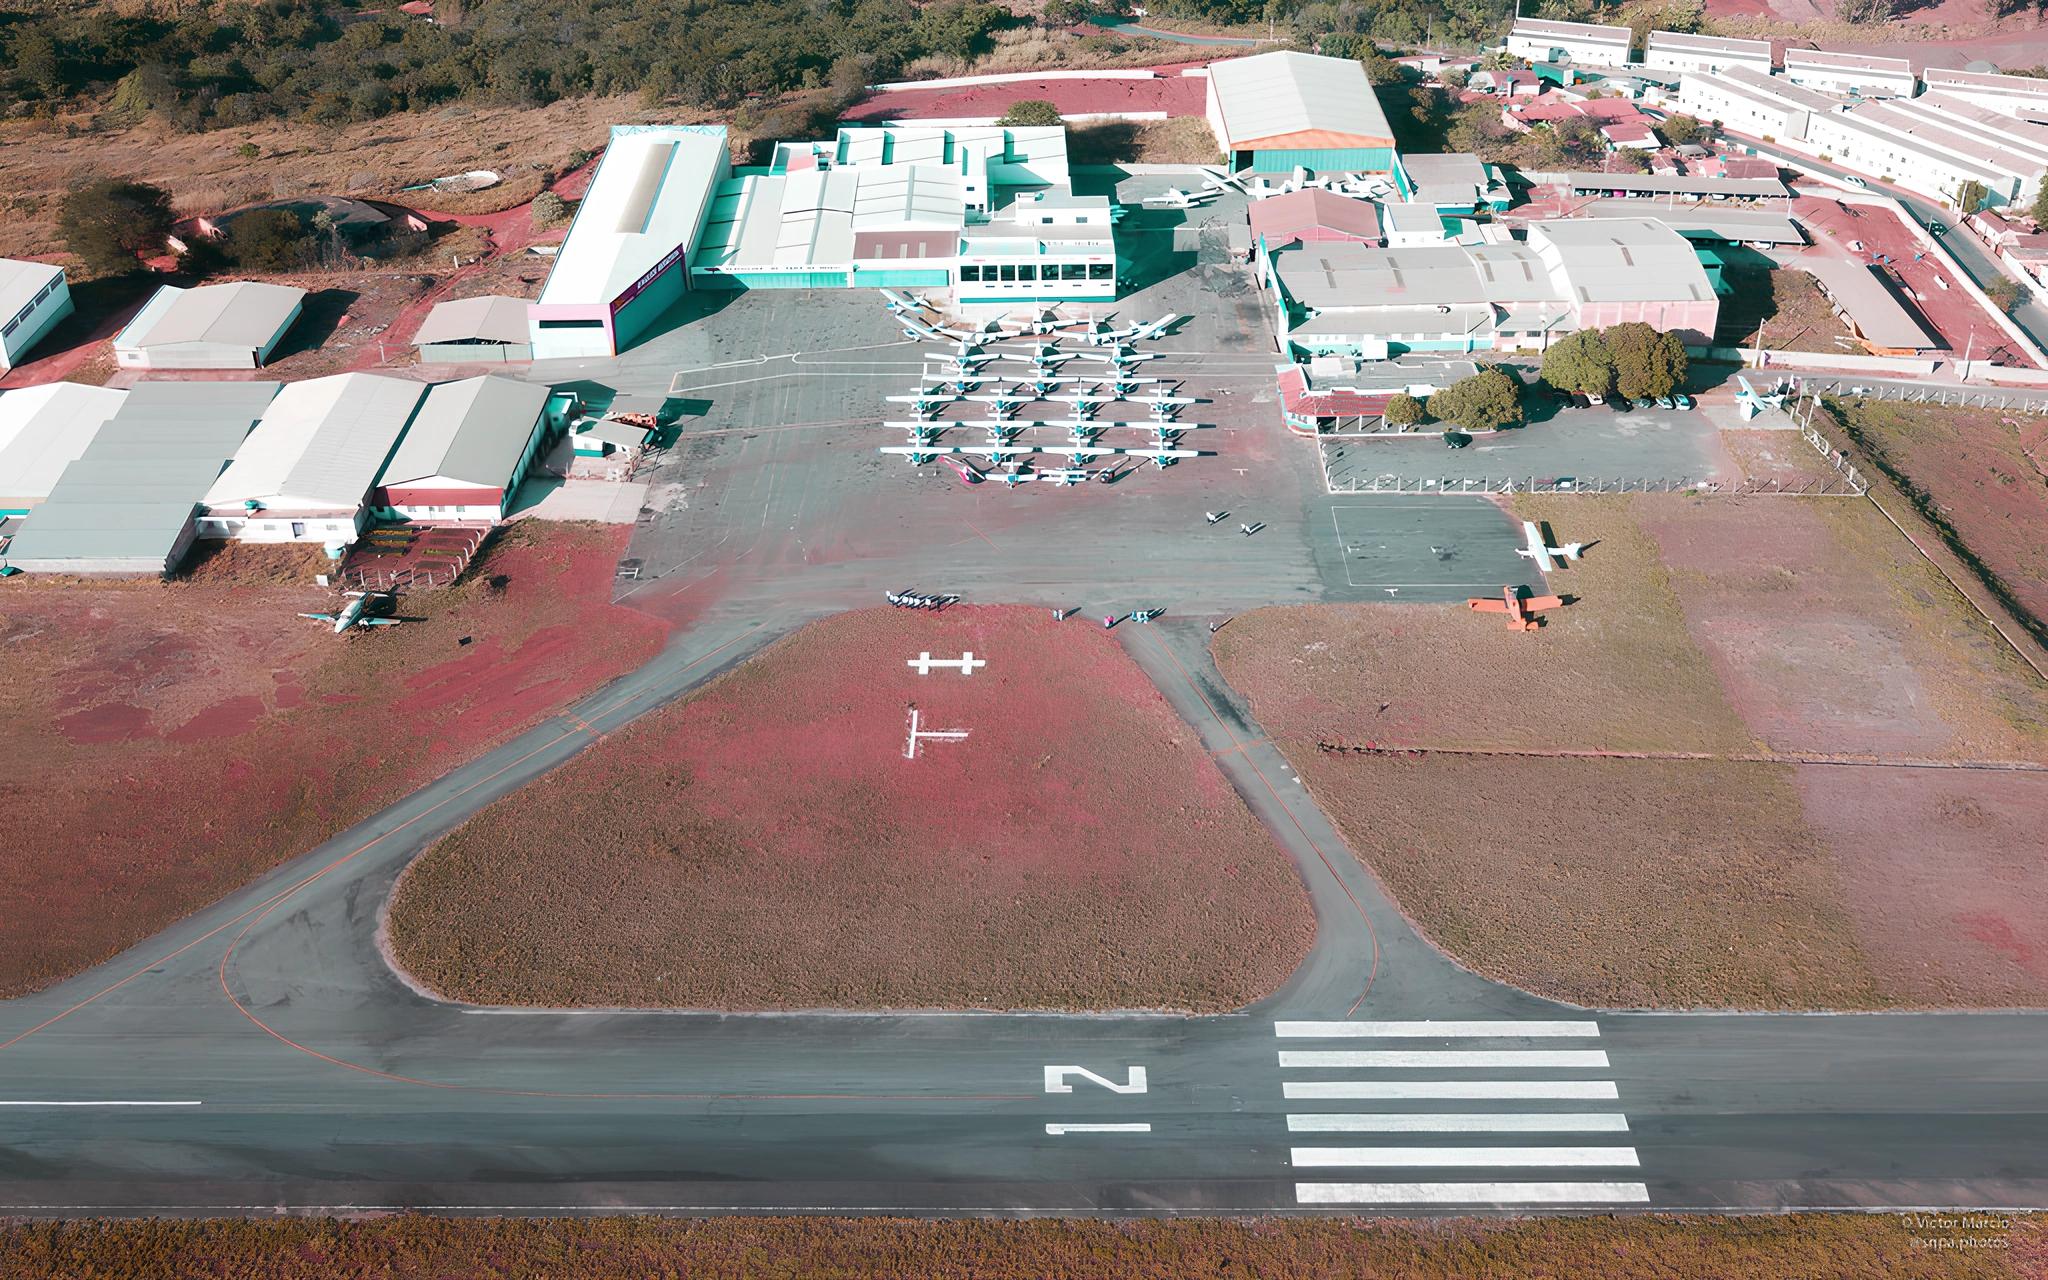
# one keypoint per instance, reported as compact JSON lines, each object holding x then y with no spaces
{"x":1968,"y":348}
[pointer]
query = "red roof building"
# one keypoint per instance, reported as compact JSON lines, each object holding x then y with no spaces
{"x":1311,"y":215}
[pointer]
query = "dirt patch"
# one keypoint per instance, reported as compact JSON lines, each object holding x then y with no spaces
{"x":1983,"y":472}
{"x":1944,"y":879}
{"x":1615,"y":671}
{"x":168,"y":742}
{"x":1777,"y":457}
{"x":1615,"y":883}
{"x":1792,"y":311}
{"x":1831,"y":635}
{"x":767,"y":844}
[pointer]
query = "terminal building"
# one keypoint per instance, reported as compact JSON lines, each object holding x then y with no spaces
{"x":624,"y":261}
{"x":33,"y":298}
{"x":1584,"y":44}
{"x":1275,"y":112}
{"x":985,"y":210}
{"x":1350,"y":298}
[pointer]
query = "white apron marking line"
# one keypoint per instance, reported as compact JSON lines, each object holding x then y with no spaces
{"x":1602,"y":1089}
{"x":1058,"y":1129}
{"x":1307,"y":1030}
{"x":1462,"y":1122}
{"x":34,"y":1103}
{"x":1483,"y":1193}
{"x":1436,"y":1059}
{"x":1464,"y":1157}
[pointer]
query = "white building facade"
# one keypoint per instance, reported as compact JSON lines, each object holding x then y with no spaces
{"x":1584,"y":44}
{"x":1679,"y":53}
{"x":34,"y":297}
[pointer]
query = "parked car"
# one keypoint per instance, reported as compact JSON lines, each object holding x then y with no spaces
{"x":1456,"y":439}
{"x":1580,"y":400}
{"x":1665,"y":402}
{"x":1682,"y":400}
{"x":1594,"y":397}
{"x":1644,"y":402}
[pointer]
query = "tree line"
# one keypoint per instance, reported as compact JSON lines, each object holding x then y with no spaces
{"x":206,"y":66}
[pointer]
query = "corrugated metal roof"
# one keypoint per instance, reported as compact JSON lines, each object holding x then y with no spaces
{"x":472,"y":432}
{"x":1878,"y":315}
{"x":1285,"y":215}
{"x":1540,"y":28}
{"x":1622,"y":260}
{"x":44,"y":429}
{"x":1670,"y":183}
{"x":1272,"y":95}
{"x":1722,"y":46}
{"x":491,"y":318}
{"x":1716,"y":220}
{"x":242,"y":314}
{"x":1833,"y":60}
{"x":20,"y":282}
{"x":320,"y":444}
{"x":129,"y":497}
{"x":642,"y":203}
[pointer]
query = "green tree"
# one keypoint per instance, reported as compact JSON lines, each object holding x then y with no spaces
{"x":2039,"y":209}
{"x":1970,"y":197}
{"x":1646,"y":362}
{"x":548,"y":209}
{"x":1067,"y":13}
{"x":1031,"y":111}
{"x":2004,"y":293}
{"x":1580,"y":362}
{"x":267,"y":240}
{"x":109,"y":224}
{"x":1404,"y":410}
{"x":1678,"y":130}
{"x":1486,"y":401}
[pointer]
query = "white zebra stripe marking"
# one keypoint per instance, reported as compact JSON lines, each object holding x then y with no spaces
{"x":1437,"y":1059}
{"x":1462,"y":1122}
{"x":1464,"y":1157}
{"x":1353,"y":1030}
{"x":1480,"y":1193}
{"x":1354,"y":1089}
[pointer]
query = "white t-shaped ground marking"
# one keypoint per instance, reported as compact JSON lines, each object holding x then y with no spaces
{"x":945,"y":735}
{"x":966,"y":663}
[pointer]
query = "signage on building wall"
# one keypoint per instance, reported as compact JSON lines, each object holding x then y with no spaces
{"x":653,"y":273}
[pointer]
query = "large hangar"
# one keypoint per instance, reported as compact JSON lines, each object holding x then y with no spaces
{"x":1275,"y":111}
{"x":625,"y":260}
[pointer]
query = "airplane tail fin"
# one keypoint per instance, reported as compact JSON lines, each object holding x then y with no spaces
{"x":1570,"y":550}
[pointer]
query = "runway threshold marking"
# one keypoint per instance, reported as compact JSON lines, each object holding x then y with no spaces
{"x":1438,"y":1059}
{"x":1058,"y":1130}
{"x":37,"y":1102}
{"x":1467,"y":1089}
{"x":1429,"y":1028}
{"x":1472,"y":1193}
{"x":1462,"y":1122}
{"x":1464,"y":1157}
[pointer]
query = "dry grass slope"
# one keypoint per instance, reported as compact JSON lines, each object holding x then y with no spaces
{"x":766,"y":844}
{"x":1809,"y":1246}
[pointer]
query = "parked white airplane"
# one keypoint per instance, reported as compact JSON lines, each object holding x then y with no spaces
{"x":1545,"y":555}
{"x":1753,"y":402}
{"x":356,"y":612}
{"x":903,"y":304}
{"x":1135,"y":333}
{"x":1175,"y":198}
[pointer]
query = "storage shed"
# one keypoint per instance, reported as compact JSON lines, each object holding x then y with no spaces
{"x":213,"y":326}
{"x":33,"y":298}
{"x":487,"y":330}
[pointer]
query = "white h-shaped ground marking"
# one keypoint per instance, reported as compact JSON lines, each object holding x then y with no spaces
{"x":966,"y":663}
{"x":948,"y":735}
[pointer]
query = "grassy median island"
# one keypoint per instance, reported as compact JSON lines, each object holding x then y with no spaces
{"x":1625,"y":808}
{"x":1810,"y":1246}
{"x":766,"y":844}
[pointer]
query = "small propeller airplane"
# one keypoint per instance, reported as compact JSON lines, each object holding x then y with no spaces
{"x":1120,"y":355}
{"x":904,"y":304}
{"x":356,"y":613}
{"x":1084,"y":404}
{"x":1175,"y":198}
{"x":1545,"y":555}
{"x":1135,"y":333}
{"x":927,"y":402}
{"x":1753,"y":402}
{"x":965,"y":470}
{"x":1040,"y":353}
{"x":1521,"y":609}
{"x":1065,"y":477}
{"x":1003,"y":405}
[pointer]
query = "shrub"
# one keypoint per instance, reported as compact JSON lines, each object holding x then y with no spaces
{"x":110,"y":224}
{"x":1031,"y":111}
{"x":548,"y":209}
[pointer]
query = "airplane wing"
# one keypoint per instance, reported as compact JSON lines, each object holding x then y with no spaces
{"x":318,"y":617}
{"x":1543,"y":602}
{"x":1487,"y":604}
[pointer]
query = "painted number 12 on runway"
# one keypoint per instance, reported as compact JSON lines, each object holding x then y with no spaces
{"x":1056,"y":1081}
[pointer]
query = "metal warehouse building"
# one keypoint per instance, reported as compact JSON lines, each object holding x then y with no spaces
{"x":486,"y":330}
{"x":1275,"y":111}
{"x":33,"y":298}
{"x":44,"y":430}
{"x":1581,"y":43}
{"x":625,"y":260}
{"x":215,"y":326}
{"x":305,"y":473}
{"x":126,"y":505}
{"x":468,"y":448}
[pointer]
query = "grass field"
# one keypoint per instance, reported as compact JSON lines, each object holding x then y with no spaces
{"x":1790,"y":307}
{"x":1981,"y":472}
{"x":1751,"y":632}
{"x":767,"y":844}
{"x":167,"y":742}
{"x":1806,"y":1246}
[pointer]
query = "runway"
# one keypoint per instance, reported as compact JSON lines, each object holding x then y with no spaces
{"x":260,"y":1057}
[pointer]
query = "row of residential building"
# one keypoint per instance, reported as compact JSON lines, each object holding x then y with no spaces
{"x":124,"y":481}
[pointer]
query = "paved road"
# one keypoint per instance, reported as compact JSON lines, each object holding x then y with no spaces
{"x":283,"y":1065}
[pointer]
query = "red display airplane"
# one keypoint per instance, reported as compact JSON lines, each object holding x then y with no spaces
{"x":1521,"y":609}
